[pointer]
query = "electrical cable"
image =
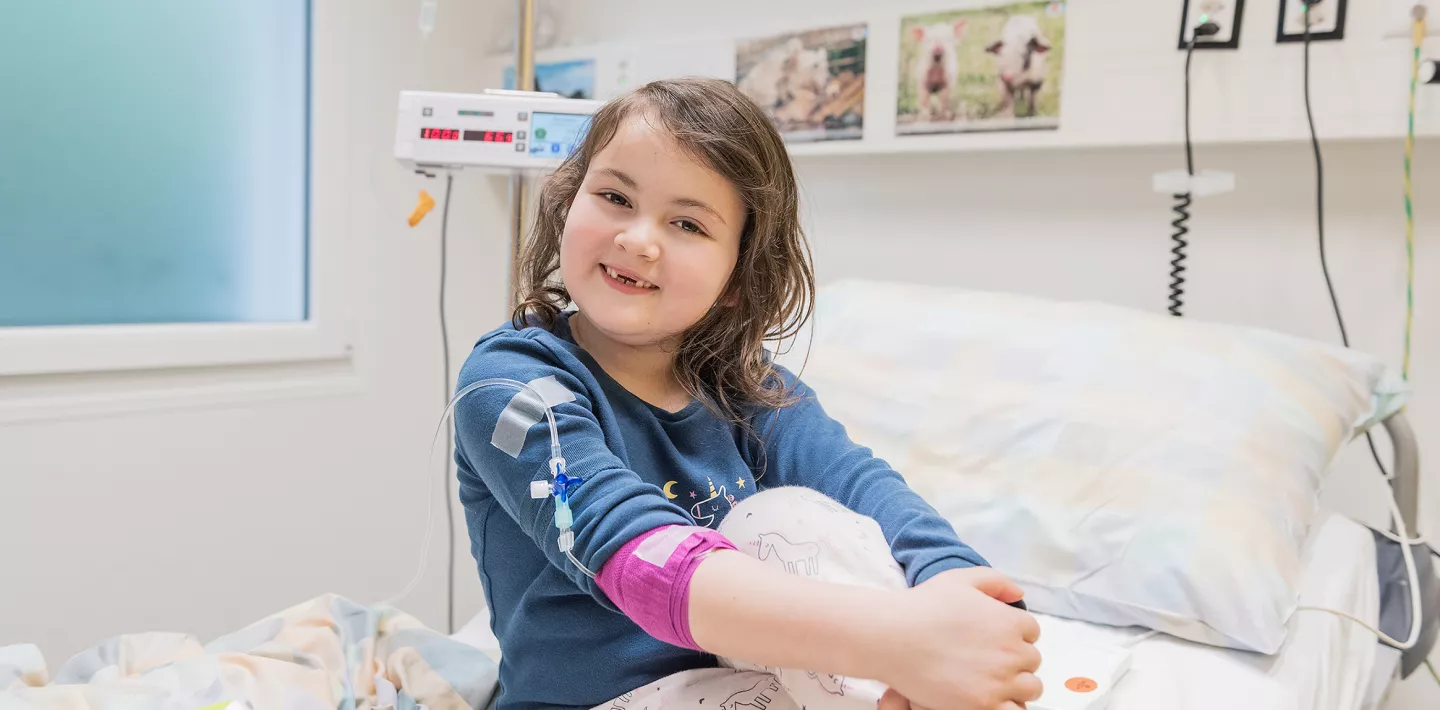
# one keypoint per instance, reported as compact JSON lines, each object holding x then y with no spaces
{"x":1320,"y":225}
{"x":1177,"y":263}
{"x":1320,"y":187}
{"x":1416,"y":611}
{"x":1392,"y":537}
{"x":1418,"y":40}
{"x":1183,"y":200}
{"x":1401,"y":536}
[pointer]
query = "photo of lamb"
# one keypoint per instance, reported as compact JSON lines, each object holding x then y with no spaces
{"x":811,"y":83}
{"x":987,"y":69}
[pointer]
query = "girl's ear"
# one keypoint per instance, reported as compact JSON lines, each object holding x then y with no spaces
{"x":731,"y":297}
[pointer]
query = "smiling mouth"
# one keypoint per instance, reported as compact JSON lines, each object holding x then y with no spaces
{"x":627,"y":280}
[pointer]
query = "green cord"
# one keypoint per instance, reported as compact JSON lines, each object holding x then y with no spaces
{"x":1418,"y":36}
{"x":1410,"y":222}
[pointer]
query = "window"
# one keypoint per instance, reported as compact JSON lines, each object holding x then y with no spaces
{"x":155,"y":164}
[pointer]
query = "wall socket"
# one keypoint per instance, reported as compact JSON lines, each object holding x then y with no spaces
{"x":1225,"y":13}
{"x":1327,"y":21}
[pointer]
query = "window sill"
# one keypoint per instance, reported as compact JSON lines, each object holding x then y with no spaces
{"x":88,"y":349}
{"x":30,"y":399}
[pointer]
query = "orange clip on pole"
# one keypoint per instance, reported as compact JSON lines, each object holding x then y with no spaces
{"x":426,"y":204}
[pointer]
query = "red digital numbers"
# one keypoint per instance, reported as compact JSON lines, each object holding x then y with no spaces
{"x":455,"y":134}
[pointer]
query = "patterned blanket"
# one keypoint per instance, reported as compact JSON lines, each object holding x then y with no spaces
{"x":326,"y":654}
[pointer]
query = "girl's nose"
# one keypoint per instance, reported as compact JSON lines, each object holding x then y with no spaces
{"x":641,"y":240}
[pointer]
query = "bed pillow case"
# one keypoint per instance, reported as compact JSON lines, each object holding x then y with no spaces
{"x":1124,"y":467}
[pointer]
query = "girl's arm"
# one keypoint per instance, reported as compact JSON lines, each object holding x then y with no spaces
{"x":803,"y":446}
{"x":612,"y":505}
{"x":947,"y":644}
{"x":742,"y":608}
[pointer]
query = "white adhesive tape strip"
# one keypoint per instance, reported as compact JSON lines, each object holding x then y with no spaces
{"x":524,"y":411}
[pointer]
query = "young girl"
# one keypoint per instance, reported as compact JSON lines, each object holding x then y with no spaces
{"x":674,"y":232}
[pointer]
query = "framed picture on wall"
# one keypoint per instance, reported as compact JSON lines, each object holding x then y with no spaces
{"x":984,"y":69}
{"x":811,"y":83}
{"x":573,"y":79}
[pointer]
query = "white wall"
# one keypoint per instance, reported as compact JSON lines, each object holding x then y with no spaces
{"x":140,"y":502}
{"x":1077,"y":223}
{"x":202,"y":515}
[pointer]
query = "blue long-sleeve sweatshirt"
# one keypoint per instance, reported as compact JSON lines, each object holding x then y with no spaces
{"x":563,"y":643}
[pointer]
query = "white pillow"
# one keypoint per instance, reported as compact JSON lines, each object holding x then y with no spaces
{"x":1125,"y":468}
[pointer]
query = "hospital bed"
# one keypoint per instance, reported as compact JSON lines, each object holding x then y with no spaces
{"x":1326,"y":662}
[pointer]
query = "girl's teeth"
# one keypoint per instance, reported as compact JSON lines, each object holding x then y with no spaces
{"x":627,"y":280}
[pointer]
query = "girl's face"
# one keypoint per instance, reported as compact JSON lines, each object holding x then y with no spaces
{"x":651,"y":238}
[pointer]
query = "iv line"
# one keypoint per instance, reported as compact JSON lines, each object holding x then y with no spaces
{"x":557,"y":488}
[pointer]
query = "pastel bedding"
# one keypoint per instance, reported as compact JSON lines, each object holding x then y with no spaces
{"x":325,"y":654}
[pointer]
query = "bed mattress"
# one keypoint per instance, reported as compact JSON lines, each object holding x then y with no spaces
{"x":1327,"y":662}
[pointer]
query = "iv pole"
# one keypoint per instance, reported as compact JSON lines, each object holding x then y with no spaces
{"x":519,"y":192}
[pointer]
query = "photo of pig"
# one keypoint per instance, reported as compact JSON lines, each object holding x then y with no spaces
{"x":985,"y":69}
{"x":812,"y":84}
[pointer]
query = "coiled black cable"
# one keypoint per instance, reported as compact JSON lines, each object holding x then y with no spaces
{"x":1177,"y":264}
{"x":1185,"y":199}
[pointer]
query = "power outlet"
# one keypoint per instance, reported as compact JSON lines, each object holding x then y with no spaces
{"x":1327,"y":21}
{"x":1226,"y":14}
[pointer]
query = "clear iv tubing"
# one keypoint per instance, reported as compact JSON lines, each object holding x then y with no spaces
{"x":449,"y":415}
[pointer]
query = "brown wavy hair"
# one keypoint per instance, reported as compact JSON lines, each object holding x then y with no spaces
{"x":721,"y":360}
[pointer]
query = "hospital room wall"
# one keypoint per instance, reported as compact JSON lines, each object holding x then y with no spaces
{"x":200,"y":501}
{"x":1060,"y":225}
{"x":1084,"y":224}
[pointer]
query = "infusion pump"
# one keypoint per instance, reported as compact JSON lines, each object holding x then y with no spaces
{"x":496,"y":130}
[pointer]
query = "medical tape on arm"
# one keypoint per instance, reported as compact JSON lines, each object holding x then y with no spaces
{"x":525,"y":411}
{"x":649,"y":579}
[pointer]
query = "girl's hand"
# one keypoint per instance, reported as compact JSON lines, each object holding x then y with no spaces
{"x":960,"y":646}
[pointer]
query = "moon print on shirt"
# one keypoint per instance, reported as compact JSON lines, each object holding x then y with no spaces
{"x":670,"y":495}
{"x":705,"y":511}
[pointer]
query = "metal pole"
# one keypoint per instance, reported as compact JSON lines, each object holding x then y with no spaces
{"x":519,"y":194}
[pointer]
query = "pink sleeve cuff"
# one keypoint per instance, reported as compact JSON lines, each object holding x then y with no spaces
{"x":649,"y":579}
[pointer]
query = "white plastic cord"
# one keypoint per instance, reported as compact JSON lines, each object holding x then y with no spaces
{"x":1414,"y":579}
{"x":1419,"y":540}
{"x":449,"y":415}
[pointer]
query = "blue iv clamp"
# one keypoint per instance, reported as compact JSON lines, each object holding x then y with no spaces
{"x":559,"y":486}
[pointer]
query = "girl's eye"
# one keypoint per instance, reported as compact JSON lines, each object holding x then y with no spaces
{"x":615,"y":198}
{"x":689,"y":226}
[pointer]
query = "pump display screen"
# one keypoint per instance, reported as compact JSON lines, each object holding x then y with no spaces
{"x":555,"y":135}
{"x":455,"y":134}
{"x":490,"y":136}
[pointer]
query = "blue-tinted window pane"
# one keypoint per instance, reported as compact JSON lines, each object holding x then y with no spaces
{"x":153,"y":161}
